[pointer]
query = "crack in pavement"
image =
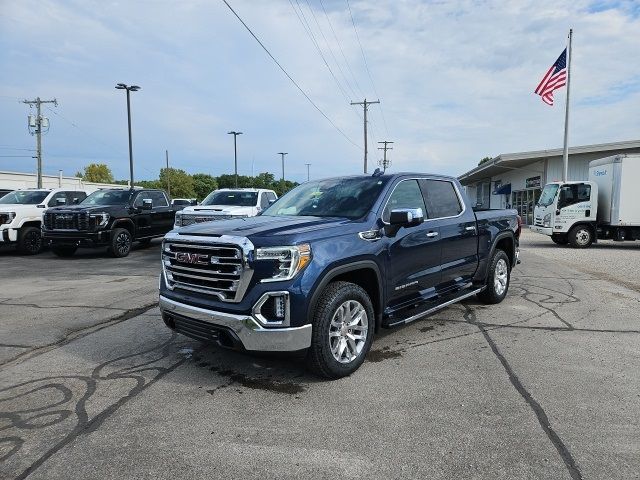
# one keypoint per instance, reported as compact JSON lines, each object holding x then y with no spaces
{"x":541,"y":415}
{"x":75,"y":334}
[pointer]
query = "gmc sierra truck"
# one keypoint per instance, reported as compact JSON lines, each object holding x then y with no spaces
{"x":108,"y":217}
{"x":332,"y":262}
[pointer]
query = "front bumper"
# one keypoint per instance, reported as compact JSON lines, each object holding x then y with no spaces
{"x":232,"y":330}
{"x":77,"y":238}
{"x":8,"y":235}
{"x":543,"y":230}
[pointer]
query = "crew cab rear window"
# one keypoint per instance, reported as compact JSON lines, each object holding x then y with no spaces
{"x":441,"y":199}
{"x":406,"y":195}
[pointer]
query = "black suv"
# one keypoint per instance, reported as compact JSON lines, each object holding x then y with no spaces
{"x":110,"y":217}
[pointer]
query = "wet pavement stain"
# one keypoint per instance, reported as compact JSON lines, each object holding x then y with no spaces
{"x":427,"y":328}
{"x":254,"y":383}
{"x":381,"y":355}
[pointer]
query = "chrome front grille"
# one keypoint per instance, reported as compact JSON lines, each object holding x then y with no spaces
{"x":188,"y":219}
{"x":66,"y":221}
{"x":213,"y":267}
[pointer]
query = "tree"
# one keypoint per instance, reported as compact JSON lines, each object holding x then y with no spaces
{"x":96,"y":172}
{"x":485,"y":160}
{"x":203,"y":184}
{"x":182,"y":184}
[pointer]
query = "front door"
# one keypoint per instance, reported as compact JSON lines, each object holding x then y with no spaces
{"x":413,"y":253}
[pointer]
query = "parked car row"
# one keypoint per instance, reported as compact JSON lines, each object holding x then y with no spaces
{"x":66,"y":219}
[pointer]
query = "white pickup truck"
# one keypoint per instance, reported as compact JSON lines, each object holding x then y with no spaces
{"x":227,"y":203}
{"x":21,"y":215}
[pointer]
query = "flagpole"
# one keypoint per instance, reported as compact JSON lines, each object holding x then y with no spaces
{"x":565,"y":152}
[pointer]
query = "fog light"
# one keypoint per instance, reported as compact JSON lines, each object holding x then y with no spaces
{"x":278,"y":307}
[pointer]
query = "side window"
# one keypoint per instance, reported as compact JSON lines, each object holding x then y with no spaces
{"x":140,"y":197}
{"x":407,"y":194}
{"x":264,"y":200}
{"x":575,"y":193}
{"x":73,"y":198}
{"x":159,"y":200}
{"x":441,"y":198}
{"x":54,"y":200}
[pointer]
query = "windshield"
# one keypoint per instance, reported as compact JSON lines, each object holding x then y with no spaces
{"x":24,"y":197}
{"x":107,"y":197}
{"x":548,"y":194}
{"x":335,"y":197}
{"x":237,"y":198}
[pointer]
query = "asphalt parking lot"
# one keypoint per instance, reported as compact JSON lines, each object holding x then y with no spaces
{"x":544,"y":385}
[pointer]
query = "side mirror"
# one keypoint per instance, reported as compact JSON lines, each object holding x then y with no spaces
{"x":61,"y":201}
{"x":147,"y":204}
{"x":406,"y":217}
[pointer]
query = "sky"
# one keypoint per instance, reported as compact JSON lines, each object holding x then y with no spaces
{"x":455,"y":80}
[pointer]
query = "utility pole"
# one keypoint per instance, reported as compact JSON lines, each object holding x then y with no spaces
{"x":307,"y":164}
{"x":385,"y":163}
{"x":235,"y":151}
{"x":38,"y":132}
{"x":166,"y":153}
{"x":129,"y":89}
{"x":365,"y":104}
{"x":282,"y":154}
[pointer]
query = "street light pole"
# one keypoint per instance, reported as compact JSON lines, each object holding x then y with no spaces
{"x":132,"y":88}
{"x":282,"y":154}
{"x":235,"y":152}
{"x":307,"y":164}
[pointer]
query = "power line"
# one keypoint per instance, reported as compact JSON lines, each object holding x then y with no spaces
{"x":307,"y":28}
{"x":367,"y":65}
{"x":346,"y":80}
{"x":362,"y":94}
{"x":289,"y":76}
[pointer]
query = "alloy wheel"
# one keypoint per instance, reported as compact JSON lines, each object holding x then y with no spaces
{"x":500,"y":277}
{"x":123,"y":243}
{"x":348,"y":331}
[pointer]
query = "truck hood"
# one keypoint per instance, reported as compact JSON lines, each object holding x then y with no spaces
{"x":86,"y":208}
{"x":218,"y":210}
{"x":20,"y":208}
{"x":266,"y":230}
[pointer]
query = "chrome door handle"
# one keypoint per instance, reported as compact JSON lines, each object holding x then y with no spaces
{"x":432,"y":234}
{"x":470,"y":228}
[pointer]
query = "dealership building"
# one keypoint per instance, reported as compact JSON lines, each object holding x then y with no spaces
{"x":515,"y":180}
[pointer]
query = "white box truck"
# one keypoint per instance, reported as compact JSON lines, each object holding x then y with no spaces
{"x":606,"y":207}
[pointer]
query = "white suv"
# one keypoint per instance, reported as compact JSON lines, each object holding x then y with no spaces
{"x":225,"y":204}
{"x":21,"y":215}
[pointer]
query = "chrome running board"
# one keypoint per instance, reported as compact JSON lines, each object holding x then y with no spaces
{"x":436,"y":308}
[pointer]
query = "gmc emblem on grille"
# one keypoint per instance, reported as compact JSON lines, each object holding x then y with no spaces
{"x":193,"y":258}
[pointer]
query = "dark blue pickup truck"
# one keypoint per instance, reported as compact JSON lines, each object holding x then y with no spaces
{"x":333,"y":261}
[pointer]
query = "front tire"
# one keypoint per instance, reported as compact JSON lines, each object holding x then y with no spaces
{"x":343,"y":327}
{"x":581,"y":236}
{"x":30,"y":241}
{"x":63,"y":251}
{"x":121,"y":240}
{"x":497,"y":280}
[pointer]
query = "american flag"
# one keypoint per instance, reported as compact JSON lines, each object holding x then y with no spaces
{"x":555,"y":78}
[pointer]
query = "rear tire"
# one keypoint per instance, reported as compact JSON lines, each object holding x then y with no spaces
{"x":63,"y":251}
{"x":559,"y":239}
{"x":30,"y":241}
{"x":343,"y":327}
{"x":498,"y":279}
{"x":581,"y":236}
{"x":121,"y":240}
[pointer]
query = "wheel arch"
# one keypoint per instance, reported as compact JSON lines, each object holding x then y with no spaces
{"x":359,"y":273}
{"x":124,"y":223}
{"x":506,"y":242}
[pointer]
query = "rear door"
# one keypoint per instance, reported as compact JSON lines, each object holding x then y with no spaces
{"x":457,"y":227}
{"x":413,"y":253}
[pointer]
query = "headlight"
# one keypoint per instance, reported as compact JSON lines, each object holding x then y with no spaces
{"x":546,"y":221}
{"x":290,"y":260}
{"x":7,"y":217}
{"x":101,"y":219}
{"x":178,"y":221}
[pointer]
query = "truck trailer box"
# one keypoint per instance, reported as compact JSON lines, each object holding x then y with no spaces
{"x":618,"y":180}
